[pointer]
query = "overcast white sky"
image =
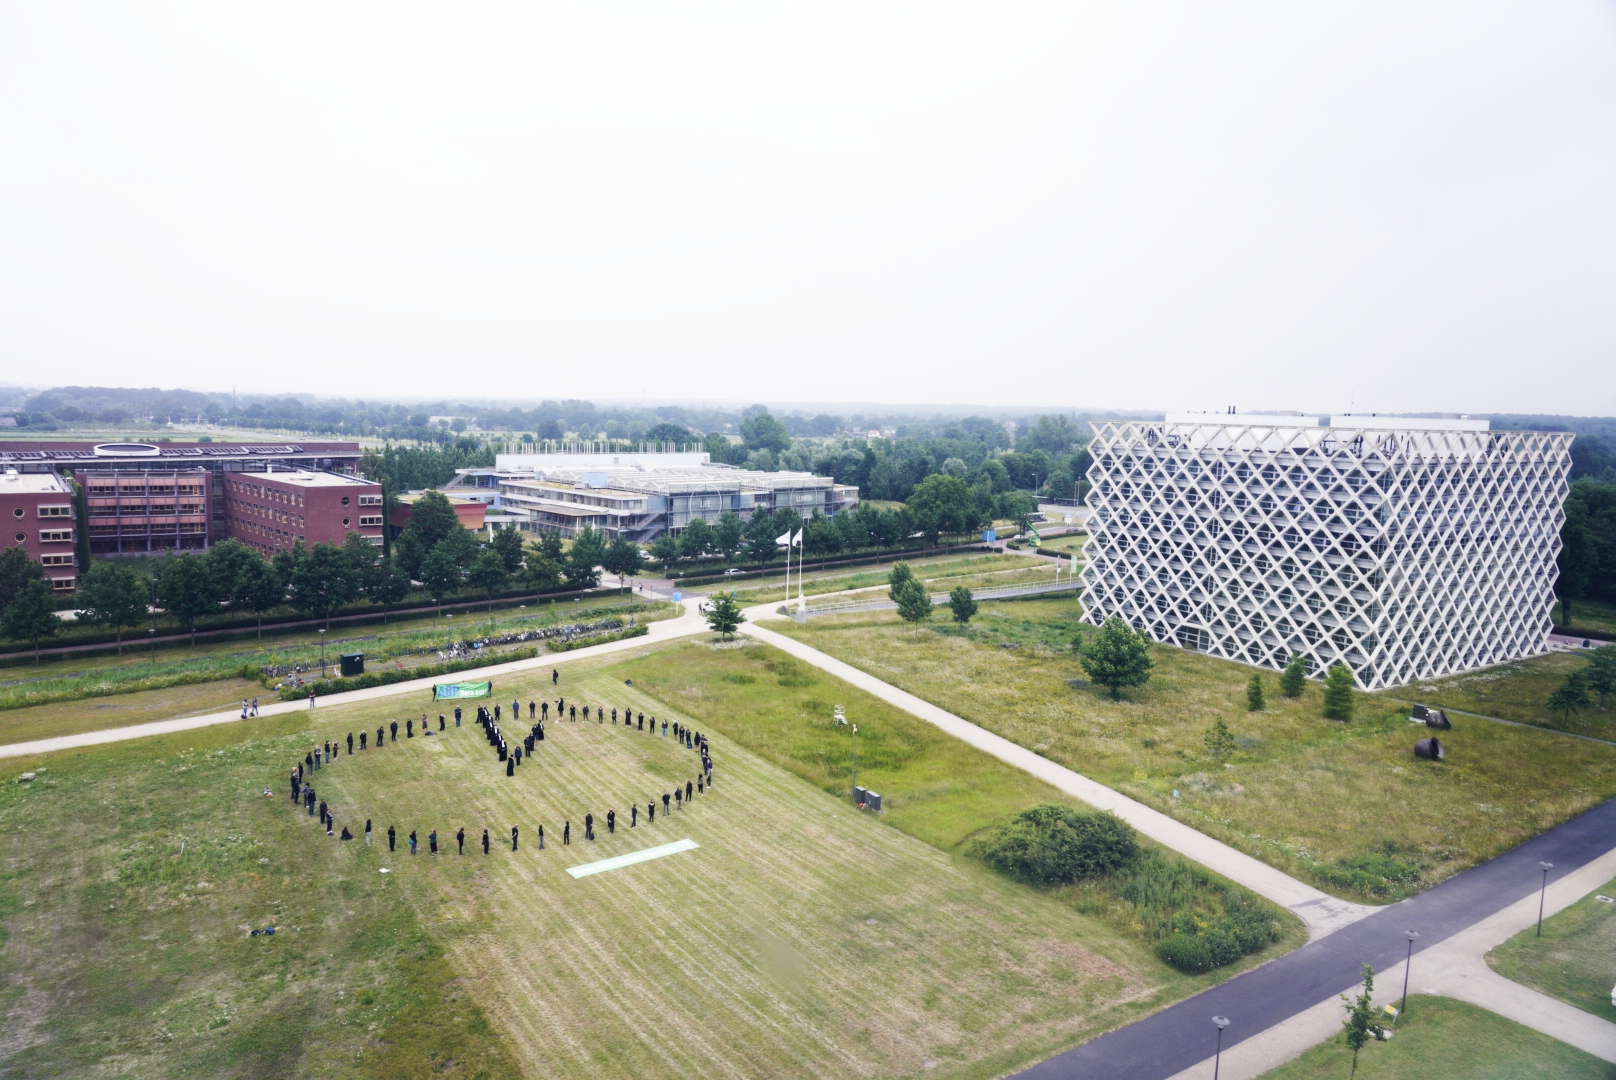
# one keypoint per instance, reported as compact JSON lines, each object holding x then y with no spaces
{"x":1395,"y":207}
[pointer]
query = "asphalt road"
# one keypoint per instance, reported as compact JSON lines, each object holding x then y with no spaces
{"x":1176,"y":1038}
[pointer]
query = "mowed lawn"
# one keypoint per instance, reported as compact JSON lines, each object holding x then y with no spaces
{"x":1573,"y":959}
{"x":843,"y":579}
{"x":124,"y":710}
{"x":1441,"y":1037}
{"x":1516,"y":691}
{"x":801,"y":938}
{"x":1345,"y":806}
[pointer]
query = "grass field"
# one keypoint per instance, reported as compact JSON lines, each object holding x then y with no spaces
{"x":1515,"y":691}
{"x":1440,"y":1037}
{"x":123,"y":710}
{"x":1588,"y":615}
{"x":842,"y":580}
{"x":1572,"y":960}
{"x":1345,"y":806}
{"x":1065,"y":545}
{"x":800,"y":938}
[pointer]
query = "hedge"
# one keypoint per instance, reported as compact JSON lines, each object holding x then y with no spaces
{"x":601,"y":639}
{"x":394,"y":675}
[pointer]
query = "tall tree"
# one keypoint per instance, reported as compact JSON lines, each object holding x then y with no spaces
{"x":962,"y":604}
{"x":667,"y":550}
{"x":362,"y":555}
{"x":1571,"y":696}
{"x":31,"y":614}
{"x":1360,"y":1023}
{"x":17,"y":569}
{"x":1294,"y":678}
{"x":541,"y":572}
{"x":728,"y":534}
{"x":914,"y":603}
{"x":622,"y":558}
{"x":440,"y":573}
{"x":583,"y":558}
{"x":1601,"y":672}
{"x":762,"y":431}
{"x":669,"y":433}
{"x":697,"y":539}
{"x":259,"y":589}
{"x":186,"y":589}
{"x":432,"y":517}
{"x":113,"y":595}
{"x":1116,"y":656}
{"x":508,"y":542}
{"x":388,"y":585}
{"x":896,"y":577}
{"x":324,"y":582}
{"x":489,"y":574}
{"x":1254,"y":694}
{"x":1338,"y":699}
{"x":724,"y":614}
{"x":943,"y":505}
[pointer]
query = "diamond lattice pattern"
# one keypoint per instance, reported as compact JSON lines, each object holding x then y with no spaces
{"x":1404,"y":554}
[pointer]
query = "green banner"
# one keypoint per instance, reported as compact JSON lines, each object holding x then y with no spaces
{"x":462,"y":689}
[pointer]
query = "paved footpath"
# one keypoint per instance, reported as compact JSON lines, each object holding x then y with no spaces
{"x":682,"y":626}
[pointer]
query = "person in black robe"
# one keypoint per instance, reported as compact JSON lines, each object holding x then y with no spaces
{"x":409,"y":727}
{"x":650,"y":812}
{"x":443,"y":722}
{"x":350,"y":743}
{"x":555,"y":677}
{"x":634,"y":815}
{"x":513,"y":837}
{"x":687,"y":791}
{"x":510,"y":765}
{"x":367,"y":832}
{"x":485,"y":841}
{"x":541,"y":730}
{"x":460,"y":839}
{"x":611,"y":823}
{"x":392,"y":838}
{"x":541,"y":837}
{"x":393,"y":730}
{"x":346,"y":835}
{"x":363,"y":735}
{"x":566,"y":833}
{"x":589,"y":826}
{"x":642,"y":721}
{"x":614,"y":716}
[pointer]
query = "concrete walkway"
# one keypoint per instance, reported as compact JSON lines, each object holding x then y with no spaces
{"x":1453,"y":968}
{"x":667,"y":629}
{"x":1321,"y":912}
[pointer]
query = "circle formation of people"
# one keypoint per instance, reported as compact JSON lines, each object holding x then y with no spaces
{"x":301,"y":779}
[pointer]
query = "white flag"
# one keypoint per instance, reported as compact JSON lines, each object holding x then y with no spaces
{"x":796,"y":541}
{"x":783,"y":540}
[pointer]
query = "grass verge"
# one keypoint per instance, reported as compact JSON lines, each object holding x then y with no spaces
{"x":1515,"y":691}
{"x":1572,"y":960}
{"x":1441,"y":1037}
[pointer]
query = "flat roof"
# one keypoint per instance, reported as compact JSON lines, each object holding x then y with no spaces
{"x":303,"y":478}
{"x":32,"y":483}
{"x":1359,"y":421}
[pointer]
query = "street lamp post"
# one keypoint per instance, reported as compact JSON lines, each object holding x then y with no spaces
{"x":1542,"y":895}
{"x":153,"y":639}
{"x":1220,"y":1022}
{"x":1409,"y":963}
{"x":839,"y":718}
{"x":437,"y":609}
{"x":322,"y":654}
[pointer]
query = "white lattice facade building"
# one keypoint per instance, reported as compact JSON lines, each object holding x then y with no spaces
{"x":1406,"y":549}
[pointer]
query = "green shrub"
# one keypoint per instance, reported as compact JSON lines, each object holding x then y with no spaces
{"x":1055,"y":845}
{"x":599,"y":639}
{"x":1186,"y":952}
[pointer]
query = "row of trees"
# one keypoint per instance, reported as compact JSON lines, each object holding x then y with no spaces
{"x":1577,"y":691}
{"x":1588,"y":547}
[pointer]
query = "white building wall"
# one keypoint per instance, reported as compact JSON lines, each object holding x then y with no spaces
{"x":1406,"y":553}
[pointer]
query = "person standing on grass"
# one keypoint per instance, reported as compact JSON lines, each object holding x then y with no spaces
{"x":678,"y":798}
{"x":634,"y":815}
{"x":555,"y":678}
{"x":516,"y":710}
{"x":510,"y":766}
{"x":393,"y":730}
{"x":460,"y":839}
{"x":532,"y":709}
{"x":514,"y":835}
{"x":457,"y":716}
{"x":665,"y":799}
{"x":297,"y":783}
{"x":367,"y":832}
{"x":566,"y":833}
{"x":413,"y":842}
{"x":409,"y":727}
{"x":572,"y":714}
{"x":611,"y":823}
{"x":664,"y":729}
{"x":361,"y":740}
{"x":308,"y":798}
{"x":485,"y":841}
{"x":589,"y":826}
{"x":544,"y":710}
{"x":687,"y":791}
{"x":392,"y":839}
{"x":350,"y":744}
{"x":432,"y":842}
{"x":322,"y":811}
{"x":541,"y":837}
{"x":380,"y":737}
{"x":442,"y":722}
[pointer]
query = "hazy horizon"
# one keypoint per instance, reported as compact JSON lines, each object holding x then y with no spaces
{"x":1383,"y":208}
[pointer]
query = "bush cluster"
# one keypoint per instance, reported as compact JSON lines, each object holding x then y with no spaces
{"x":1056,"y":845}
{"x":323,"y":687}
{"x":600,"y":639}
{"x":1243,"y":929}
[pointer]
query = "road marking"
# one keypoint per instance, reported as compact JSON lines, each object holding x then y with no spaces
{"x":620,"y":861}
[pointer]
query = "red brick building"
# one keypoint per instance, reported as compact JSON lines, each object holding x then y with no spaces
{"x":271,"y":511}
{"x":37,"y":509}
